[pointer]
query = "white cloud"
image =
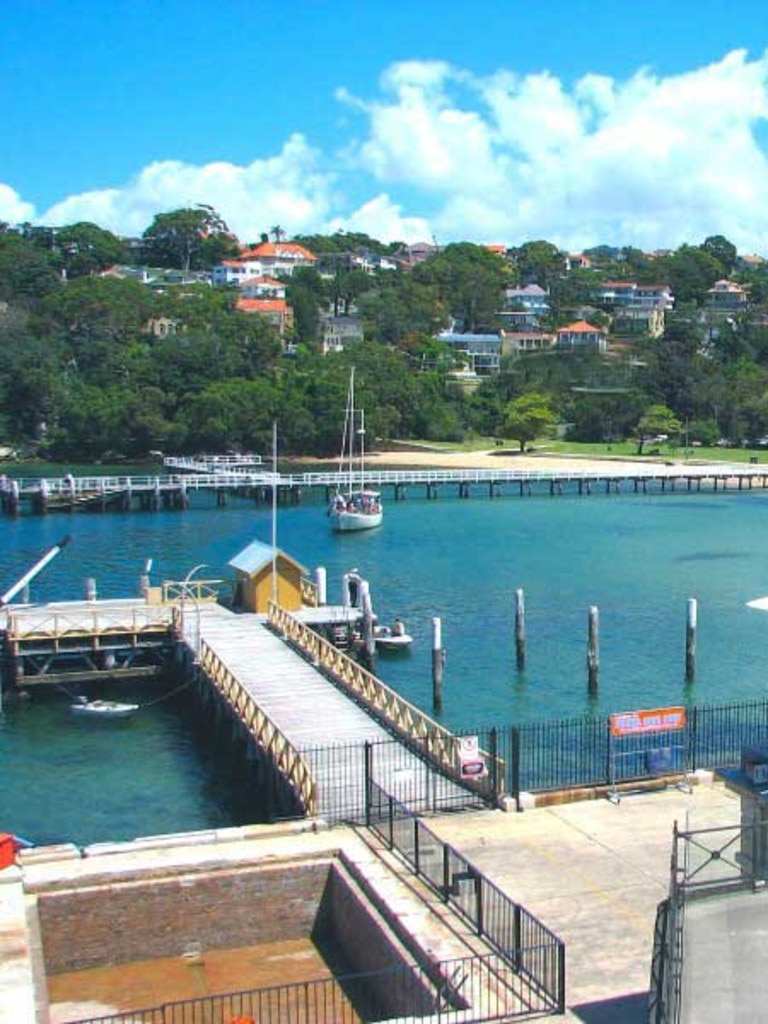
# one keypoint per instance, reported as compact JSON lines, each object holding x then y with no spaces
{"x":287,"y":189}
{"x":644,"y":160}
{"x":381,"y":218}
{"x":12,"y":208}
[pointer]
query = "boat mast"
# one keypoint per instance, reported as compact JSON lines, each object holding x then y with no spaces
{"x":351,"y":417}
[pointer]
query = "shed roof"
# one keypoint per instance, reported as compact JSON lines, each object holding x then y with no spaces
{"x":256,"y":555}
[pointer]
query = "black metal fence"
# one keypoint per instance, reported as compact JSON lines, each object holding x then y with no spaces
{"x":534,"y":757}
{"x":575,"y":752}
{"x":466,"y":990}
{"x":528,"y":947}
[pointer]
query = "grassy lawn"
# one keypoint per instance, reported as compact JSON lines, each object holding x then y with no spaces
{"x":617,"y":449}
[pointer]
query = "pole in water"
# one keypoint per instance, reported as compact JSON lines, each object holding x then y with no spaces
{"x":438,"y":664}
{"x":593,"y":649}
{"x":520,"y":628}
{"x":36,"y":568}
{"x":369,"y":640}
{"x":690,"y":639}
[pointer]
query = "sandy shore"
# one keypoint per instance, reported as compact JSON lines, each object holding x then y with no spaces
{"x":505,"y":458}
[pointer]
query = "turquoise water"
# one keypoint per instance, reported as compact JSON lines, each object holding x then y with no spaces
{"x":638,"y":558}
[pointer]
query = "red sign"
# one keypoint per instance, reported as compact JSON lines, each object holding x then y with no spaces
{"x":631,"y":723}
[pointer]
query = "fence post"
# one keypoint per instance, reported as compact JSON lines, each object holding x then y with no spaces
{"x":493,"y":743}
{"x":693,"y":719}
{"x":391,"y":816}
{"x":515,"y":767}
{"x":416,"y":857}
{"x":446,"y":873}
{"x":479,"y":914}
{"x":517,"y":934}
{"x":368,"y":775}
{"x":561,"y":974}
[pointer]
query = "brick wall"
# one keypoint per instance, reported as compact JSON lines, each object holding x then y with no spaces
{"x":143,"y":920}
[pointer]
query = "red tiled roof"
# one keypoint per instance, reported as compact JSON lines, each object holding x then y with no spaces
{"x":278,"y":250}
{"x":262,"y":305}
{"x":579,"y":327}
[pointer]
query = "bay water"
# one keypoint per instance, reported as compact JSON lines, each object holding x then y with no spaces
{"x":638,"y":558}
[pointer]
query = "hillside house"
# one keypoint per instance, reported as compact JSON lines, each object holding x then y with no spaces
{"x":580,"y":336}
{"x":339,"y":332}
{"x":277,"y":311}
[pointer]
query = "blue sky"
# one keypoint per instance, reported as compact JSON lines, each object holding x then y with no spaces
{"x":580,"y":122}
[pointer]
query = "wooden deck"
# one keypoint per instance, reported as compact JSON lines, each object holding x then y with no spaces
{"x":315,"y":717}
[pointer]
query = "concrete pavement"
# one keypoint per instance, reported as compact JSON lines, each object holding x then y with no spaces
{"x":593,"y":872}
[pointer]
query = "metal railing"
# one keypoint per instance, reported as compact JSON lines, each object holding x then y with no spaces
{"x":403,"y":718}
{"x":458,"y":991}
{"x":284,"y":756}
{"x":557,"y":754}
{"x":524,"y":943}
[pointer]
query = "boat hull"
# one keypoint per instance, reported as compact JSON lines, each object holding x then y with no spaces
{"x":103,"y":709}
{"x":348,"y":522}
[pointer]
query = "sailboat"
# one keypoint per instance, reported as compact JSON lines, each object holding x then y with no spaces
{"x":356,"y":507}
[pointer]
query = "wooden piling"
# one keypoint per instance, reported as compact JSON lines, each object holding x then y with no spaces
{"x":593,"y":650}
{"x":369,"y":640}
{"x":438,"y":664}
{"x":690,"y":640}
{"x":520,"y":628}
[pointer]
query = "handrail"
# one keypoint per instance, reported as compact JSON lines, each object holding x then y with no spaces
{"x":93,"y":486}
{"x":403,"y":717}
{"x":194,"y":590}
{"x":288,"y":760}
{"x":309,"y":592}
{"x":28,"y":625}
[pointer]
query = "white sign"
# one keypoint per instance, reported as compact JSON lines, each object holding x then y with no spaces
{"x":471,"y":763}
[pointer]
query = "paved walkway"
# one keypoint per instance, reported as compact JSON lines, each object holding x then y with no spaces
{"x":593,"y":872}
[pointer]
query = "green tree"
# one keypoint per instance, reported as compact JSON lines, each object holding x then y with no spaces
{"x":470,"y":281}
{"x":528,"y":417}
{"x":539,"y":263}
{"x":86,"y":248}
{"x":178,"y":238}
{"x":657,"y":420}
{"x":26,"y":271}
{"x":724,"y":252}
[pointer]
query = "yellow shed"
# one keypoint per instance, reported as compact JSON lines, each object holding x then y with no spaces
{"x":253,"y":578}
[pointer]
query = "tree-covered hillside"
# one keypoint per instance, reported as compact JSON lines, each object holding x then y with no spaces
{"x":96,"y":364}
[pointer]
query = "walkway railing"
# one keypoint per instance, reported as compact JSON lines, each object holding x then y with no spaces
{"x":402,"y":717}
{"x":243,"y":478}
{"x":461,"y":991}
{"x":33,"y":624}
{"x":526,"y":945}
{"x":285,"y":757}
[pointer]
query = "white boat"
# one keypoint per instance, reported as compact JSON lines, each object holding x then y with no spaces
{"x":102,"y":708}
{"x":356,"y":507}
{"x":392,"y":638}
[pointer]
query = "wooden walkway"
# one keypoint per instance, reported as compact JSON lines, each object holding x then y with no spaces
{"x":173,"y":491}
{"x":328,"y":728}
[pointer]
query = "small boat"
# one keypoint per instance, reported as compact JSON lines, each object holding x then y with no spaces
{"x":102,"y":708}
{"x":359,"y":508}
{"x":392,"y":638}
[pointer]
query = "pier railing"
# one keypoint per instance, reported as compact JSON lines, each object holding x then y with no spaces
{"x":285,"y":757}
{"x":525,"y":944}
{"x":30,"y":625}
{"x":402,"y":717}
{"x":458,"y":991}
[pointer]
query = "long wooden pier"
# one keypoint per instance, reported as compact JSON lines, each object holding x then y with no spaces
{"x":174,"y":490}
{"x":322,"y":725}
{"x":326,"y":723}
